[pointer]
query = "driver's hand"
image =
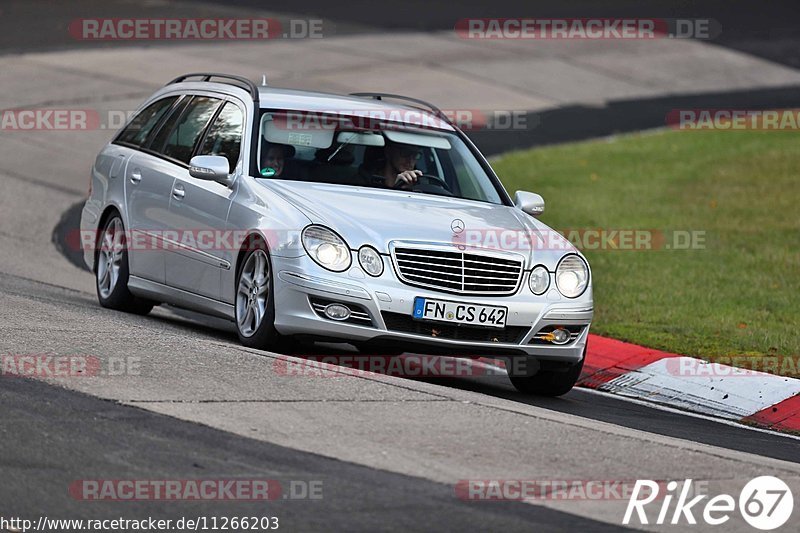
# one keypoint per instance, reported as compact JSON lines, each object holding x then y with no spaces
{"x":407,"y":179}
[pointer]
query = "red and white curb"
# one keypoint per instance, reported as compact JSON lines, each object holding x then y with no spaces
{"x":690,"y":384}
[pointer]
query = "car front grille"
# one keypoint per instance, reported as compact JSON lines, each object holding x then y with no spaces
{"x":458,"y":272}
{"x":402,"y":323}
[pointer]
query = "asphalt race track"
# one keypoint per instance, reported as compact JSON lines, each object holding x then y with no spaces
{"x":81,"y":430}
{"x":53,"y":437}
{"x":178,"y":398}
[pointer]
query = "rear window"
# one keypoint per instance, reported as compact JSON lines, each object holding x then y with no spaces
{"x":136,"y":132}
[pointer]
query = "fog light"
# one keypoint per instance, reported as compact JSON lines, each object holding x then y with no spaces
{"x":560,"y":336}
{"x":337,"y":312}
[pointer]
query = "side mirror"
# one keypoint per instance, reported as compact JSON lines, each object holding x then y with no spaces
{"x":210,"y":167}
{"x":529,"y":202}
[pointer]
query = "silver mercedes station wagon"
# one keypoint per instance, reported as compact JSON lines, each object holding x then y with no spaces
{"x":369,"y":219}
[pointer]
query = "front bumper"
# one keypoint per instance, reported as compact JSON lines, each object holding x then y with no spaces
{"x":299,"y":282}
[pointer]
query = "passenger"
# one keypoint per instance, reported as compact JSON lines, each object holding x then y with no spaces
{"x":274,"y":157}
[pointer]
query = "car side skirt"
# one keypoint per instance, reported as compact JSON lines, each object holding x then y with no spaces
{"x":164,"y":294}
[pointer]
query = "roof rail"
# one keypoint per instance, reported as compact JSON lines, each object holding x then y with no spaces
{"x":428,"y":106}
{"x":246,"y":84}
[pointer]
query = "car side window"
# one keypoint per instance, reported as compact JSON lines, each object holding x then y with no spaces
{"x":179,"y":136}
{"x":136,"y":132}
{"x":224,"y":137}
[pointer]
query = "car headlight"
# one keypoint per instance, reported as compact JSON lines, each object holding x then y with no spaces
{"x":370,"y":261}
{"x":572,"y":276}
{"x":326,"y":248}
{"x":539,"y":280}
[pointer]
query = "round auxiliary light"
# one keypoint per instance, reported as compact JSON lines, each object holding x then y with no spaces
{"x":560,"y":336}
{"x":539,"y":280}
{"x":370,"y":261}
{"x":337,"y":312}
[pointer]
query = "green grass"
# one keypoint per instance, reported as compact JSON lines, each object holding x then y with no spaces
{"x":738,"y":296}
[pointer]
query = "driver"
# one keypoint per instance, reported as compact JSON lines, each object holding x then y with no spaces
{"x":400,"y":172}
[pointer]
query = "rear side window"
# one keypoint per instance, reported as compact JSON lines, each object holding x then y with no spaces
{"x":224,"y":137}
{"x":179,"y":135}
{"x":136,"y":132}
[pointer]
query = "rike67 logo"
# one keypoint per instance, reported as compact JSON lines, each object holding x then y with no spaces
{"x":765,"y":502}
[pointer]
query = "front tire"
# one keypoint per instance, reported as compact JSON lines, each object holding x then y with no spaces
{"x":255,"y":302}
{"x":112,"y":271}
{"x":549,"y":382}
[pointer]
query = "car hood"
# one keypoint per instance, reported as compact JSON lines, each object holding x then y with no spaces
{"x":366,"y":215}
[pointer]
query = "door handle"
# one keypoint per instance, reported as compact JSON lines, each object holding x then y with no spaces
{"x":178,"y":192}
{"x":136,"y":176}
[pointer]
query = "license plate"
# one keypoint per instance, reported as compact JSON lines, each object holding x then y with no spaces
{"x":460,"y":313}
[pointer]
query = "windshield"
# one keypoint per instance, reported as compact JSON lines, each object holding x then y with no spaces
{"x":347,"y":151}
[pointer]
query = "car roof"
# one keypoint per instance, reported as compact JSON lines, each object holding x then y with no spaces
{"x":319,"y":102}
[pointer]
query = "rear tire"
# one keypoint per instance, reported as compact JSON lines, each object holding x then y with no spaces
{"x":549,"y":382}
{"x":112,"y":272}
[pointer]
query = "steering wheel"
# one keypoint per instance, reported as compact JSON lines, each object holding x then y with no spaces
{"x":436,"y":181}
